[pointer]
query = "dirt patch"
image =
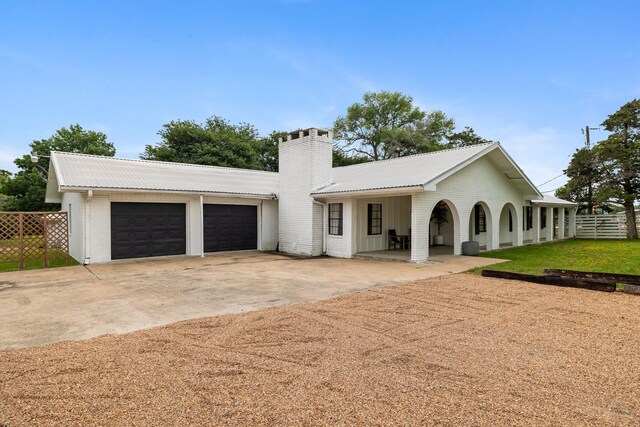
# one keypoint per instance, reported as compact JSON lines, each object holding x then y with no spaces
{"x":456,"y":350}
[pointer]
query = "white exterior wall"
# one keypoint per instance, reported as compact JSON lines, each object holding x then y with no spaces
{"x":97,"y":217}
{"x":73,"y":205}
{"x":343,"y":246}
{"x":269,"y":226}
{"x":420,"y":214}
{"x":480,"y":181}
{"x":304,"y":165}
{"x":396,"y":213}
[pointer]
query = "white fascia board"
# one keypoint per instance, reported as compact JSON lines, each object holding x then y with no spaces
{"x":396,"y":191}
{"x":52,"y":193}
{"x":134,"y":190}
{"x":521,"y":172}
{"x":555,"y":205}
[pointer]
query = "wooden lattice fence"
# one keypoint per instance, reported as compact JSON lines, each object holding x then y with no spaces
{"x":610,"y":226}
{"x":33,"y":239}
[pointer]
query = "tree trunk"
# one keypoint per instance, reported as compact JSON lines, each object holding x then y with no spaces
{"x":630,"y":212}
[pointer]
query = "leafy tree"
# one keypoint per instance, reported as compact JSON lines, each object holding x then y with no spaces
{"x":5,"y":175}
{"x":268,"y":150}
{"x":465,"y":138}
{"x":215,"y":142}
{"x":584,"y":173}
{"x":25,"y":192}
{"x":619,"y":157}
{"x":387,"y":125}
{"x":26,"y":189}
{"x":341,"y":159}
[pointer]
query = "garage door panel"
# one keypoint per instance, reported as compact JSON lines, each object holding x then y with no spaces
{"x":147,"y":229}
{"x":230,"y":227}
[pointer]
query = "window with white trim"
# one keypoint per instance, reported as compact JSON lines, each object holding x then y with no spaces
{"x":374,"y":219}
{"x":335,"y":219}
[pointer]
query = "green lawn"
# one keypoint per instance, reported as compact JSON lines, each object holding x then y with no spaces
{"x":56,"y":260}
{"x":607,"y":256}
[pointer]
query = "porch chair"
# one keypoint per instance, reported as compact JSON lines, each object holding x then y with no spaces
{"x":394,"y":240}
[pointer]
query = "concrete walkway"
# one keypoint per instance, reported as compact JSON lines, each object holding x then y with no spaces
{"x":71,"y":303}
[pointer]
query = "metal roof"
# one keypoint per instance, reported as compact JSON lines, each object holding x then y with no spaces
{"x":552,"y":200}
{"x":81,"y":171}
{"x":78,"y":172}
{"x":423,"y":170}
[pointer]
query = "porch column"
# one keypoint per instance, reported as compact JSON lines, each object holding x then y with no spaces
{"x":560,"y":223}
{"x":572,"y":222}
{"x":518,"y":226}
{"x":549,"y":227}
{"x":495,"y":228}
{"x":463,"y":232}
{"x":536,"y":224}
{"x":420,"y":213}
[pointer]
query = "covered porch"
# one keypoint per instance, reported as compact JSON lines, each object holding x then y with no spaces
{"x":384,"y":227}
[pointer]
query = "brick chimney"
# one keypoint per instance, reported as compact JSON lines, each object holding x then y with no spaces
{"x":305,"y":160}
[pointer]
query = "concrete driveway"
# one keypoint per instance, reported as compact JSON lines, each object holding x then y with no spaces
{"x":71,"y":303}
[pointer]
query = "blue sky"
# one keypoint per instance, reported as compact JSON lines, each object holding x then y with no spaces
{"x":530,"y":74}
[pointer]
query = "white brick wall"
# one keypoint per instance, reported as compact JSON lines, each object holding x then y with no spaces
{"x":73,"y":205}
{"x":304,"y":165}
{"x":481,"y":181}
{"x":343,"y":246}
{"x":97,"y":214}
{"x":269,"y":226}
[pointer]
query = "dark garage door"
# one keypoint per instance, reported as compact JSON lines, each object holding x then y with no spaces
{"x":230,"y":228}
{"x":147,"y":229}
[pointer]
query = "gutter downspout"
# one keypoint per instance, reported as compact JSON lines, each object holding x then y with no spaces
{"x":324,"y":227}
{"x":201,"y":226}
{"x":87,"y":227}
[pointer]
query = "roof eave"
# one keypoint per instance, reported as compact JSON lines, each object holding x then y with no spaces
{"x":370,"y":191}
{"x":52,"y":190}
{"x":521,"y":172}
{"x":264,"y":196}
{"x":555,"y":204}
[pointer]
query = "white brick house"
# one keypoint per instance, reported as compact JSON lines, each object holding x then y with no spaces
{"x":122,"y":208}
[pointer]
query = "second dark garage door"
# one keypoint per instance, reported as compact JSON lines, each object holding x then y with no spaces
{"x":230,"y":228}
{"x":147,"y":229}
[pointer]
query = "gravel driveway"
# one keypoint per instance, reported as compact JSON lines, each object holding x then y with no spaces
{"x":454,"y":350}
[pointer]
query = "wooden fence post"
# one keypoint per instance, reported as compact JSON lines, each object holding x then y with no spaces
{"x":45,"y":233}
{"x":21,"y":239}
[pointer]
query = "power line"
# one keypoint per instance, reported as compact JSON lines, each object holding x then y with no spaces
{"x":552,"y":179}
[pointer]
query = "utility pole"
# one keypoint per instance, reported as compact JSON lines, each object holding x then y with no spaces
{"x":586,"y":132}
{"x":586,"y":129}
{"x":590,"y":203}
